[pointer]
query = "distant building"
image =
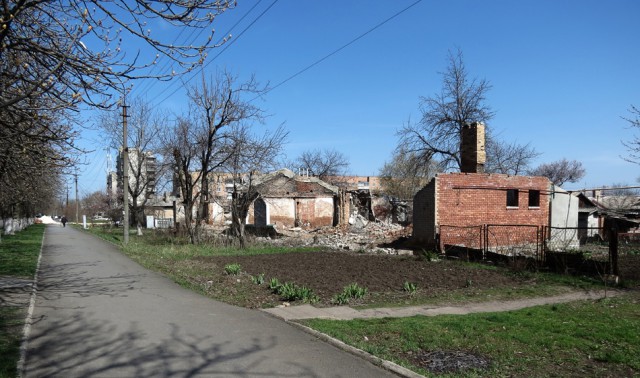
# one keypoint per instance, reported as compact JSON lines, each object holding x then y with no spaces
{"x":142,"y":176}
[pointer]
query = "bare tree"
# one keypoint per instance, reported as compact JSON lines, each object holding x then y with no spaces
{"x":460,"y":102}
{"x":57,"y":55}
{"x":252,"y":154}
{"x":633,"y":146}
{"x":323,"y":163}
{"x":511,"y":159}
{"x":96,"y":202}
{"x":406,"y":173}
{"x":560,"y":172}
{"x":205,"y":140}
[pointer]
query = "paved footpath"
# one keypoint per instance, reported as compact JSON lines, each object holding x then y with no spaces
{"x":98,"y":314}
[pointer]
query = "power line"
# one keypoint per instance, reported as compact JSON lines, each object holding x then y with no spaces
{"x":168,"y":62}
{"x":225,"y":47}
{"x":340,"y":48}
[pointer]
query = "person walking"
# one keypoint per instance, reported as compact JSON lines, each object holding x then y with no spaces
{"x":64,"y":221}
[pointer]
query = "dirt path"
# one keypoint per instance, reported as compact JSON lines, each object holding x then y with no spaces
{"x":348,"y":313}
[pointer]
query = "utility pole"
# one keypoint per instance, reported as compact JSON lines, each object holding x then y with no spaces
{"x":77,"y":202}
{"x":125,"y":172}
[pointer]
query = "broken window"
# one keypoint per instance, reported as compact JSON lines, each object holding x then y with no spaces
{"x":534,"y":198}
{"x":512,"y":197}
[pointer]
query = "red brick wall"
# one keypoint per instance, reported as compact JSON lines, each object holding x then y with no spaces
{"x":476,"y":199}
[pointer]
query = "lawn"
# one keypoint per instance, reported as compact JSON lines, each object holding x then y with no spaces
{"x":580,"y":339}
{"x":18,"y":259}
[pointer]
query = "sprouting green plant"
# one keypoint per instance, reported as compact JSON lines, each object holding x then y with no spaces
{"x":232,"y":269}
{"x":292,"y":292}
{"x":354,"y":291}
{"x":429,"y":255}
{"x":468,"y":283}
{"x":287,"y":291}
{"x":274,"y":285}
{"x":340,"y":299}
{"x":258,"y":280}
{"x":351,"y":291}
{"x":409,"y":287}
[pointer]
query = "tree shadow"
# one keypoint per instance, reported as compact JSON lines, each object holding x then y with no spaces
{"x":77,"y":347}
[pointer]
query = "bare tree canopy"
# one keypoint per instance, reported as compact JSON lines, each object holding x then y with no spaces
{"x":144,"y":124}
{"x":460,"y":102}
{"x":58,"y":55}
{"x":251,"y":155}
{"x":209,"y":138}
{"x":560,"y":172}
{"x":71,"y":51}
{"x":323,"y":163}
{"x":405,"y":174}
{"x":633,"y":145}
{"x":509,"y":158}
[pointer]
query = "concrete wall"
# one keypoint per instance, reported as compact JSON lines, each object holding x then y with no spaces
{"x":564,"y":214}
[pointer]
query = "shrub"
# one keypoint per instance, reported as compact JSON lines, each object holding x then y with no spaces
{"x":232,"y":269}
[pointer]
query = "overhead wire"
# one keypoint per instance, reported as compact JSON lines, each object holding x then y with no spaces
{"x":189,"y":41}
{"x":334,"y":52}
{"x":222,"y":50}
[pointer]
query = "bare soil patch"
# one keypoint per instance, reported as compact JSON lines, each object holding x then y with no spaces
{"x":327,"y":273}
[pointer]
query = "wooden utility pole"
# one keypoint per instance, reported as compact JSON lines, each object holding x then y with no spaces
{"x":125,"y":172}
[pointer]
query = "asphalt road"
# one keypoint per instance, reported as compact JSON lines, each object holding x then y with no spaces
{"x":99,"y":314}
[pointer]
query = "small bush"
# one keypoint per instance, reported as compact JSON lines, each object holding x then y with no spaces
{"x":409,"y":287}
{"x":232,"y":269}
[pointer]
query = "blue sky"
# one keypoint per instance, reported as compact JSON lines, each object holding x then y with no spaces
{"x":563,"y":73}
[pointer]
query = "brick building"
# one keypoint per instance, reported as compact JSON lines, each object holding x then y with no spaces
{"x":452,"y":202}
{"x":453,"y":207}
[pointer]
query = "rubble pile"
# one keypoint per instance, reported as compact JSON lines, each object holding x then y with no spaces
{"x":371,"y":237}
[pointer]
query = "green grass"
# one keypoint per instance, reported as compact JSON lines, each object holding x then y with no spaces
{"x":18,"y":258}
{"x":584,"y":338}
{"x":19,"y":252}
{"x":11,"y":323}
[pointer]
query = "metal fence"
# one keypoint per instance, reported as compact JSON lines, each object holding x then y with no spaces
{"x":586,"y":250}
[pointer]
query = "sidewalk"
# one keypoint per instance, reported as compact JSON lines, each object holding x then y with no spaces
{"x":348,"y":313}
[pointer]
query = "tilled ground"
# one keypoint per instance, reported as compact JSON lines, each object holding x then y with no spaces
{"x":327,"y":273}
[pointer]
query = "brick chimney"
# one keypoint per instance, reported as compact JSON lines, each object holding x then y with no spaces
{"x":472,"y":151}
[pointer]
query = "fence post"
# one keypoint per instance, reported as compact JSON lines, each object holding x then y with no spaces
{"x":613,"y":250}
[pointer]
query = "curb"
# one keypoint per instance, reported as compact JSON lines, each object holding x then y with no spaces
{"x":387,"y":365}
{"x":26,"y":331}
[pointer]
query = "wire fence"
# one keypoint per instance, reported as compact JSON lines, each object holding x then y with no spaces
{"x":595,"y":251}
